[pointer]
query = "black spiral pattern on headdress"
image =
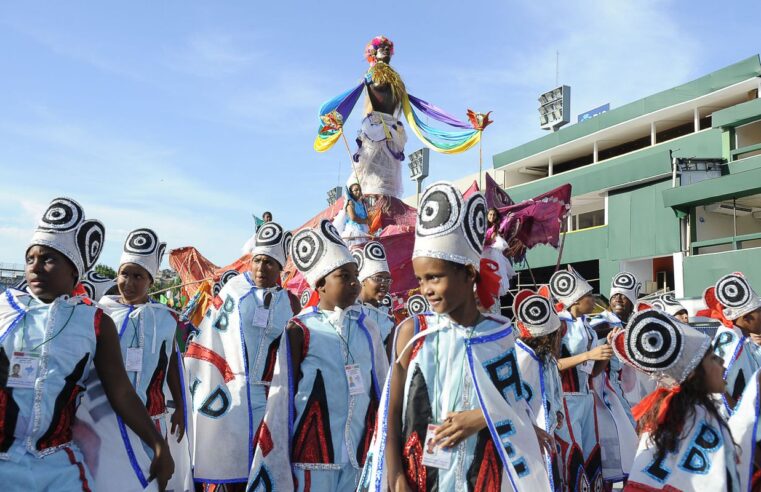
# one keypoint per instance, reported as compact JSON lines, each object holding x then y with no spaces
{"x":387,"y":301}
{"x":359,"y":259}
{"x":63,"y":214}
{"x":330,"y":232}
{"x":92,"y":280}
{"x":269,"y":234}
{"x":374,"y":250}
{"x":733,"y":291}
{"x":475,"y":222}
{"x":21,"y":285}
{"x":308,"y":247}
{"x":563,"y":283}
{"x":90,"y":238}
{"x":417,"y":304}
{"x":440,"y":209}
{"x":663,"y":302}
{"x":141,"y":242}
{"x":223,"y":279}
{"x":625,"y":281}
{"x":160,"y":254}
{"x":535,"y":310}
{"x":653,"y":340}
{"x":287,"y":241}
{"x":306,"y":294}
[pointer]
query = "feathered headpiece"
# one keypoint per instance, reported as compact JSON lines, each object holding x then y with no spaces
{"x":374,"y":44}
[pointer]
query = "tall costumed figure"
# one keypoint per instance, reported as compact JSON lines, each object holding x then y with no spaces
{"x":376,"y":164}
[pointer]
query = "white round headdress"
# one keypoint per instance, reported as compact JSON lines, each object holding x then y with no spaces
{"x":449,"y":227}
{"x":96,"y":285}
{"x":63,"y":227}
{"x":535,"y":314}
{"x":567,"y":286}
{"x":371,"y":259}
{"x":317,"y":252}
{"x":736,"y":296}
{"x":660,"y":345}
{"x":223,"y":279}
{"x":143,"y":248}
{"x":272,"y":240}
{"x":668,"y":303}
{"x":625,"y":283}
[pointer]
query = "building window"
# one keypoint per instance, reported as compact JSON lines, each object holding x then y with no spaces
{"x":726,"y":226}
{"x":747,"y":140}
{"x":589,"y":219}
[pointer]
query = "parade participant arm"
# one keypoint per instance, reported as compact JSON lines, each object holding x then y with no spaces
{"x":175,"y":387}
{"x":397,"y":482}
{"x":296,"y":341}
{"x":295,"y":304}
{"x":125,"y":402}
{"x":353,"y":215}
{"x":600,"y":354}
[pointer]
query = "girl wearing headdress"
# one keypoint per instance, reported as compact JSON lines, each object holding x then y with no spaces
{"x":326,"y":381}
{"x":685,"y":442}
{"x":734,"y":302}
{"x":58,"y":340}
{"x":230,"y":362}
{"x":453,"y":415}
{"x":375,"y":276}
{"x":582,"y":358}
{"x":146,"y":332}
{"x":538,"y":348}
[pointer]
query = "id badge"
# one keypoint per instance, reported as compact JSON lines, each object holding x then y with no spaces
{"x":433,"y":454}
{"x":23,"y":370}
{"x":261,"y":317}
{"x":354,"y":377}
{"x":134,"y":359}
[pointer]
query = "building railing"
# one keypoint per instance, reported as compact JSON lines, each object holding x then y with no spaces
{"x":735,"y":241}
{"x":740,"y":153}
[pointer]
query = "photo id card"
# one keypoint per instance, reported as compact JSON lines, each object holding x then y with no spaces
{"x":23,"y":369}
{"x":354,"y":377}
{"x":433,"y":454}
{"x":134,"y":359}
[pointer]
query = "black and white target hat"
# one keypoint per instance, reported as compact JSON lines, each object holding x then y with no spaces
{"x":736,"y":296}
{"x":317,"y":252}
{"x":96,"y":285}
{"x":535,"y":314}
{"x":272,"y":240}
{"x":567,"y":286}
{"x":660,"y":345}
{"x":63,"y":228}
{"x":143,"y":248}
{"x":625,"y":283}
{"x":371,"y":260}
{"x":667,"y":302}
{"x":450,"y":227}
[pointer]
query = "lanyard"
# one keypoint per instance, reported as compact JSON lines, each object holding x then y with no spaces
{"x":345,"y":341}
{"x":45,"y":341}
{"x":451,"y":391}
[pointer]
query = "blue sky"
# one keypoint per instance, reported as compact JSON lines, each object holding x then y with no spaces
{"x":189,"y":116}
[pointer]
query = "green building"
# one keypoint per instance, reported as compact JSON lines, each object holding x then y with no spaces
{"x":667,"y":187}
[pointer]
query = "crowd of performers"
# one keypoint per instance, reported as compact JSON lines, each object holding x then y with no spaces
{"x":96,"y":395}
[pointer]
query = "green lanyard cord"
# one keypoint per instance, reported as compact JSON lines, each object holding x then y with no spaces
{"x":52,"y":337}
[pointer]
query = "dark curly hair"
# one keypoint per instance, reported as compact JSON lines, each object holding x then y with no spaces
{"x":546,"y":347}
{"x":666,"y":436}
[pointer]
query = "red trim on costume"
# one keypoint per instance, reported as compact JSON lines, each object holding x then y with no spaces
{"x":490,"y":475}
{"x":640,"y":487}
{"x":419,"y":344}
{"x":263,"y":439}
{"x":196,"y":351}
{"x":307,"y":480}
{"x":82,"y":474}
{"x":217,"y":302}
{"x":97,"y":321}
{"x":412,"y":456}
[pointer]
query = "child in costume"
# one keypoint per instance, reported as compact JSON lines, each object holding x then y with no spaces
{"x":538,"y":349}
{"x":146,"y":331}
{"x":375,"y":277}
{"x":591,"y":421}
{"x":57,"y":340}
{"x":668,"y":303}
{"x":352,"y":221}
{"x":453,"y":414}
{"x":327,"y":379}
{"x":230,"y":362}
{"x":733,"y":301}
{"x":685,"y":442}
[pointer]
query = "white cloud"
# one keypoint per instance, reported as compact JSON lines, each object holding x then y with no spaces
{"x":213,"y":55}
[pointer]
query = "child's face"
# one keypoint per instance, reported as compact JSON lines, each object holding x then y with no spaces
{"x":133,"y":282}
{"x":376,"y":287}
{"x":49,"y":273}
{"x":752,"y":321}
{"x":682,"y":316}
{"x":265,"y":271}
{"x":445,"y":286}
{"x":356,"y":191}
{"x":586,"y":304}
{"x":714,"y":373}
{"x":621,"y":305}
{"x":341,"y":287}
